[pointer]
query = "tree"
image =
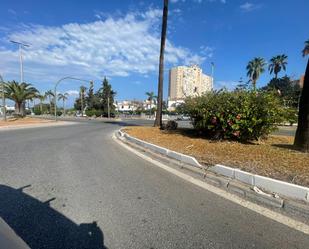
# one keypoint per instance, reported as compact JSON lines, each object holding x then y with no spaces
{"x":158,"y":121}
{"x":151,"y":98}
{"x":301,"y":140}
{"x":20,"y":93}
{"x":90,"y":99}
{"x":63,"y":97}
{"x":255,"y":68}
{"x":287,"y":89}
{"x":277,"y":63}
{"x":106,"y":96}
{"x":50,"y":95}
{"x":41,"y":97}
{"x":82,"y":92}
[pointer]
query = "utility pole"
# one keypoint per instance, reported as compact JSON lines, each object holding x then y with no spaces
{"x":21,"y":45}
{"x":212,"y":73}
{"x":108,"y":109}
{"x":3,"y":99}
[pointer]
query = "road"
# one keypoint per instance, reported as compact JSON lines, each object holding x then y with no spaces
{"x":74,"y":187}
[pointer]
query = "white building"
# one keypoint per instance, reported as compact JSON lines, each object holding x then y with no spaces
{"x":187,"y":82}
{"x":127,"y":105}
{"x":8,"y":109}
{"x":134,"y":105}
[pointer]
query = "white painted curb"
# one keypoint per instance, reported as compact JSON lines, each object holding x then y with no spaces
{"x":269,"y":184}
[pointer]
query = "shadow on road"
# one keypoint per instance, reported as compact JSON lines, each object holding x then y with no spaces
{"x":42,"y":227}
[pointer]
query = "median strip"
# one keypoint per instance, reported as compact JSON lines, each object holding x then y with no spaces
{"x":238,"y":181}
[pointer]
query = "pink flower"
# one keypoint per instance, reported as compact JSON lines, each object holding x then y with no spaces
{"x":236,"y":133}
{"x":230,"y":123}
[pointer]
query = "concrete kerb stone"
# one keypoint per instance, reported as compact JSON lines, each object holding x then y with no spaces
{"x":244,"y":177}
{"x":190,"y":160}
{"x":174,"y":155}
{"x":223,"y":170}
{"x":283,"y":188}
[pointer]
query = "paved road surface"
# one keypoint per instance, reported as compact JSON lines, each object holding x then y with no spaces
{"x":82,"y":190}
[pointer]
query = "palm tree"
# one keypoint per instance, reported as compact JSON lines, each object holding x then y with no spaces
{"x":63,"y":97}
{"x":301,"y":140}
{"x":277,"y":63}
{"x":41,"y":97}
{"x":158,"y":121}
{"x":50,"y":95}
{"x":255,"y":68}
{"x":82,"y":91}
{"x":151,"y":98}
{"x":20,"y":93}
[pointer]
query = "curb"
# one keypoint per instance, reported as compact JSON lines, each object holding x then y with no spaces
{"x":239,"y":182}
{"x":291,"y":213}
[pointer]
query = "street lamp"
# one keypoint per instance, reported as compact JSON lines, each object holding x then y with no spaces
{"x":3,"y":99}
{"x":212,"y":72}
{"x":21,"y":45}
{"x":55,"y":90}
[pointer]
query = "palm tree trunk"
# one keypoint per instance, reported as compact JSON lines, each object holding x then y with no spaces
{"x":20,"y":109}
{"x":254,"y":84}
{"x":82,"y":104}
{"x":50,"y":106}
{"x":301,"y":140}
{"x":158,"y":121}
{"x":41,"y":107}
{"x":63,"y":109}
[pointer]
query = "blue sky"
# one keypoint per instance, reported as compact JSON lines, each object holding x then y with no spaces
{"x":121,"y":39}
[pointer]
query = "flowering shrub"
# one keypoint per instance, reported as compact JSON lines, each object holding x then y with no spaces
{"x":240,"y":115}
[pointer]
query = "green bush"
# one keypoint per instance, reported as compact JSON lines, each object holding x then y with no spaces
{"x":240,"y":115}
{"x":93,"y":112}
{"x":290,"y":115}
{"x":37,"y":111}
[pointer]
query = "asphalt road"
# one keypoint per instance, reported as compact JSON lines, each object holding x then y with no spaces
{"x":82,"y":190}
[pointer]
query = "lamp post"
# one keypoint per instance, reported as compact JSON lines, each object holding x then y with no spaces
{"x":55,"y":90}
{"x":21,"y":45}
{"x":212,"y":72}
{"x":3,"y":99}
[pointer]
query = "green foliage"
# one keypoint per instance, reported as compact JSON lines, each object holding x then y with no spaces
{"x":20,"y":93}
{"x":288,"y":90}
{"x":290,"y":115}
{"x":255,"y":68}
{"x":93,"y":112}
{"x":240,"y":115}
{"x":277,"y":63}
{"x":37,"y":111}
{"x":98,"y":100}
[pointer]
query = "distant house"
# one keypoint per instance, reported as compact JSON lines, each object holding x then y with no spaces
{"x":8,"y":109}
{"x":127,"y":105}
{"x":134,"y":105}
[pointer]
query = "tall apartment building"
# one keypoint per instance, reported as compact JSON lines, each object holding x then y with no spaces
{"x":187,"y":82}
